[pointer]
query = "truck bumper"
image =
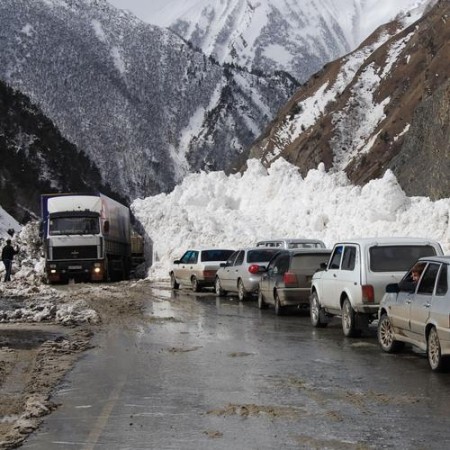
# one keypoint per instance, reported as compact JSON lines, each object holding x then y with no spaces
{"x":62,"y":271}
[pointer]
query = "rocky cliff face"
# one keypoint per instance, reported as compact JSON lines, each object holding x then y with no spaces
{"x":362,"y":111}
{"x":422,"y":165}
{"x":139,"y":101}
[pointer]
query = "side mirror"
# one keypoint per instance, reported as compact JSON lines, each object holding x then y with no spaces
{"x":177,"y":261}
{"x":393,"y":288}
{"x":223,"y":264}
{"x":106,"y":227}
{"x":323,"y":266}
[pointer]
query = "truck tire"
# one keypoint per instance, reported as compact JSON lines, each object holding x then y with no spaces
{"x":173,"y":282}
{"x":315,"y":312}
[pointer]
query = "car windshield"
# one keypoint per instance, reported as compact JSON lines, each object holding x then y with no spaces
{"x":397,"y":258}
{"x":261,"y":255}
{"x":309,"y":263}
{"x":216,"y":255}
{"x":73,"y":225}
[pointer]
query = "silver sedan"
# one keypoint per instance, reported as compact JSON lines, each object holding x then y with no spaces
{"x":242,"y":271}
{"x":418,"y":312}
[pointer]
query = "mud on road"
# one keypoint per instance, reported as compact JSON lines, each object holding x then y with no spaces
{"x":34,"y":357}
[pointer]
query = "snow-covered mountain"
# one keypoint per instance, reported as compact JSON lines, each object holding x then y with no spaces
{"x":144,"y":105}
{"x":386,"y":105}
{"x":268,"y":35}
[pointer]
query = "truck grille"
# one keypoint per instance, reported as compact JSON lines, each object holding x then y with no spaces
{"x":86,"y":252}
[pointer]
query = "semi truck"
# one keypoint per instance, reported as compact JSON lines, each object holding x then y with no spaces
{"x":86,"y":237}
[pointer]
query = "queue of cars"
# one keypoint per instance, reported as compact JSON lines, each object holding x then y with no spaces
{"x":360,"y":280}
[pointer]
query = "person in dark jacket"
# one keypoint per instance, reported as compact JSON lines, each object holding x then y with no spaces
{"x":8,"y":253}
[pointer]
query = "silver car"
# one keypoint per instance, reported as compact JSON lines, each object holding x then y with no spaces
{"x":242,"y":272}
{"x":418,"y":313}
{"x":197,"y":268}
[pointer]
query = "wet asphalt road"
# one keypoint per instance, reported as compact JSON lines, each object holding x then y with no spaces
{"x":210,"y":373}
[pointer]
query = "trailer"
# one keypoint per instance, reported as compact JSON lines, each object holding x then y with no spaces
{"x":86,"y":237}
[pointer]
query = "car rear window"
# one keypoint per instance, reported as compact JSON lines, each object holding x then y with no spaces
{"x":308,"y":263}
{"x":397,"y":258}
{"x":305,"y":245}
{"x":263,"y":255}
{"x":216,"y":255}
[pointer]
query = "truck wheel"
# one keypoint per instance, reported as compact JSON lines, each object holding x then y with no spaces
{"x":385,"y":335}
{"x":173,"y":282}
{"x":349,"y":320}
{"x":315,"y":312}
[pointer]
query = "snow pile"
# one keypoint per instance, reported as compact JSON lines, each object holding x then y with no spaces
{"x":215,"y":210}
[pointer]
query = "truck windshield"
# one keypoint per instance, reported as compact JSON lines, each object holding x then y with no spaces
{"x":73,"y":225}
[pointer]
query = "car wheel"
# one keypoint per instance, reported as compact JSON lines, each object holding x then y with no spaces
{"x":349,"y":320}
{"x":279,"y":310}
{"x":385,"y":335}
{"x":194,"y":284}
{"x":173,"y":282}
{"x":436,"y":360}
{"x":261,"y":303}
{"x":218,"y":288}
{"x":315,"y":312}
{"x":242,"y":294}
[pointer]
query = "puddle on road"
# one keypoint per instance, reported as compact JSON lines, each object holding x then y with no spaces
{"x":27,"y":339}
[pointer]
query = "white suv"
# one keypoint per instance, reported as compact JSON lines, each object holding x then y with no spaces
{"x":353,"y":282}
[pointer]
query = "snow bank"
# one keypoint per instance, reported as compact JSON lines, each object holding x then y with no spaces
{"x":212,"y":209}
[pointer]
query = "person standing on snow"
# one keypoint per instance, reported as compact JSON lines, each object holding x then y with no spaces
{"x":8,"y":253}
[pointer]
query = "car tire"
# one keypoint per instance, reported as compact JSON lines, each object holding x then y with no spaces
{"x":348,"y":316}
{"x":218,"y":288}
{"x":385,"y":335}
{"x":261,"y":303}
{"x":279,"y":310}
{"x":438,"y":363}
{"x":315,"y":312}
{"x":195,"y":285}
{"x":242,"y":293}
{"x":173,"y":282}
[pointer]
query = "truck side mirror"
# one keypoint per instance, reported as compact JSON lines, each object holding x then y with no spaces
{"x":106,"y":227}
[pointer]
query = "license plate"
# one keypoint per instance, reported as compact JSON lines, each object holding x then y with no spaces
{"x":74,"y":267}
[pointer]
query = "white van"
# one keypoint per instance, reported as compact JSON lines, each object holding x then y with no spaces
{"x":291,"y":244}
{"x":353,"y":282}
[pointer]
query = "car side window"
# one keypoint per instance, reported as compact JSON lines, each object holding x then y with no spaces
{"x":232,"y":258}
{"x":281,"y":265}
{"x":335,"y":261}
{"x":428,"y":280}
{"x":193,"y":258}
{"x":349,"y":258}
{"x":185,"y":258}
{"x":442,"y":285}
{"x":239,"y":259}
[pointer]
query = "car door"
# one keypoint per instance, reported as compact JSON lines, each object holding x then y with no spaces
{"x":187,"y":266}
{"x":343,"y":272}
{"x":419,"y":310}
{"x":237,"y":270}
{"x":179,"y":268}
{"x":228,"y":272}
{"x":274,"y":274}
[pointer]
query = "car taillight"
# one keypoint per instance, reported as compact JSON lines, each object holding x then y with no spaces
{"x":254,"y":269}
{"x":290,"y":279}
{"x":368,"y":294}
{"x":209,"y":273}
